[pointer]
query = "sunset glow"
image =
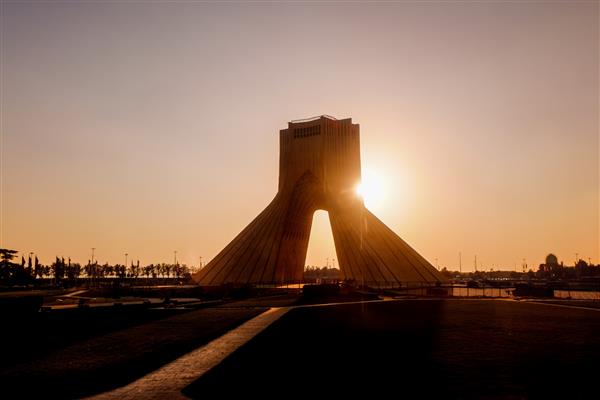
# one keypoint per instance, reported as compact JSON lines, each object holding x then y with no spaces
{"x":372,"y":189}
{"x":205,"y":198}
{"x":126,"y":138}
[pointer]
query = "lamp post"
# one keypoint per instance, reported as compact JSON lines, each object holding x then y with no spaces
{"x":126,"y":254}
{"x":92,"y":269}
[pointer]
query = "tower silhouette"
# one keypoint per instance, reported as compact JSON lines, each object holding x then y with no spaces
{"x":319,"y":168}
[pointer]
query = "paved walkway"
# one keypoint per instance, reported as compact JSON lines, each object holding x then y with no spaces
{"x":168,"y":381}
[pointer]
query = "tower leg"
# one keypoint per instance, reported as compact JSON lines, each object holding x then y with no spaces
{"x":370,"y":253}
{"x":272,"y":249}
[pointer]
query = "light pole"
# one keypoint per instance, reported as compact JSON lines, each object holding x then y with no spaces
{"x":175,"y":256}
{"x":91,"y":270}
{"x":126,"y":254}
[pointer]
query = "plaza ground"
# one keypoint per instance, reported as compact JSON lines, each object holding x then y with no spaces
{"x":431,"y":347}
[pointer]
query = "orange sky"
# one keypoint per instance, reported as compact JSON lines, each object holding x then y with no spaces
{"x":149,"y":128}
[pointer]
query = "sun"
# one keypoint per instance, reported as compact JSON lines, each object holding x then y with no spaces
{"x":372,"y":189}
{"x":360,"y":190}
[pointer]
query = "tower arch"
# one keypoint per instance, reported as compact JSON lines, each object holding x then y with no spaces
{"x":319,"y":167}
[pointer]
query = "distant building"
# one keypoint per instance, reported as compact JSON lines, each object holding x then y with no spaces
{"x":551,"y":268}
{"x":551,"y":259}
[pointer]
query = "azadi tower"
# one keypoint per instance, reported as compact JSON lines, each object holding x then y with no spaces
{"x":319,"y":168}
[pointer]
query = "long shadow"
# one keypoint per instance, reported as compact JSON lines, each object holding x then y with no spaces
{"x":107,"y":361}
{"x":32,"y":335}
{"x":332,"y":350}
{"x":428,"y":348}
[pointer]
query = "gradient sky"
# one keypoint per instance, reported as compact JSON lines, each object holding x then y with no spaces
{"x":152,"y":127}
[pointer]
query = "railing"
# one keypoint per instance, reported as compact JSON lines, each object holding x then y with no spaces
{"x":297,"y":121}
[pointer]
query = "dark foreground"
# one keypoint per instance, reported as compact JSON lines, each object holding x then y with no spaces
{"x":425,"y":348}
{"x":400,"y":349}
{"x":77,"y":353}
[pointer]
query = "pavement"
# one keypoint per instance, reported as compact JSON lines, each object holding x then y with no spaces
{"x":168,"y":381}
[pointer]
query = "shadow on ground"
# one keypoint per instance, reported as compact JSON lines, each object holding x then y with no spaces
{"x":429,"y":348}
{"x":91,"y":351}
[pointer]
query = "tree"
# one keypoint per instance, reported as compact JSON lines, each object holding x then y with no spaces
{"x":58,"y":269}
{"x":37,"y":271}
{"x":7,"y":266}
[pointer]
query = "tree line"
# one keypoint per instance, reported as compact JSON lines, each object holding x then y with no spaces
{"x":13,"y":272}
{"x":312,"y":273}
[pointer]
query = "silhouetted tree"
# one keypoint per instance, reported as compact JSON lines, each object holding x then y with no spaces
{"x":37,"y":272}
{"x":58,"y":270}
{"x":7,"y":266}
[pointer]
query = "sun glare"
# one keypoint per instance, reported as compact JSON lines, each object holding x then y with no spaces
{"x":371,"y":189}
{"x":360,"y":190}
